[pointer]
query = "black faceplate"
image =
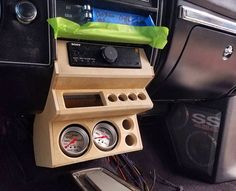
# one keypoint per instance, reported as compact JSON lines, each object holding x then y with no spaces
{"x":90,"y":55}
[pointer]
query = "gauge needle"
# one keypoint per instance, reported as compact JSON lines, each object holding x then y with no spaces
{"x":71,"y":142}
{"x":102,"y":137}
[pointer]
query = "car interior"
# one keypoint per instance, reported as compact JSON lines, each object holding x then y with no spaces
{"x":117,"y":95}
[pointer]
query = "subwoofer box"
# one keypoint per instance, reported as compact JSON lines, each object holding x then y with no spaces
{"x":204,"y":137}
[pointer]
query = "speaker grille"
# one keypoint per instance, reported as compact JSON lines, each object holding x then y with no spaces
{"x":199,"y":148}
{"x":194,"y":133}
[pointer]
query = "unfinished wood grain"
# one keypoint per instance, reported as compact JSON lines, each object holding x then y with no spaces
{"x":121,"y":95}
{"x":71,"y":77}
{"x":49,"y":154}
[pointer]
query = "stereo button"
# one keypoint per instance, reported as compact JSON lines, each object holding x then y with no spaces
{"x":110,"y":54}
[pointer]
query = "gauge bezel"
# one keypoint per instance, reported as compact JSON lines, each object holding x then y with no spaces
{"x":79,"y":129}
{"x":110,"y":127}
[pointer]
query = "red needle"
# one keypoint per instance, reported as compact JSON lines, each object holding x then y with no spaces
{"x":71,"y":142}
{"x":102,"y":137}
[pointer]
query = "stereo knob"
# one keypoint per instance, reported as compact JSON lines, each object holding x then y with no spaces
{"x":110,"y":54}
{"x":26,"y":12}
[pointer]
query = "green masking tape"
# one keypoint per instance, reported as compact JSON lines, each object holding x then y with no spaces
{"x":154,"y":36}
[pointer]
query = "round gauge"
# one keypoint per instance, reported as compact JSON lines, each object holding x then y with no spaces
{"x":105,"y":136}
{"x":74,"y":141}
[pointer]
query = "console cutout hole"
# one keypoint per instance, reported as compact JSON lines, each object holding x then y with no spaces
{"x":132,"y":97}
{"x":82,"y":100}
{"x":128,"y":124}
{"x":142,"y":96}
{"x":122,"y":97}
{"x":130,"y":140}
{"x":112,"y":98}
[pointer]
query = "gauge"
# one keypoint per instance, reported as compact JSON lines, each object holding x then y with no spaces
{"x":74,"y":141}
{"x":105,"y":136}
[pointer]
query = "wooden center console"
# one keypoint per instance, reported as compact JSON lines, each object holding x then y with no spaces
{"x":84,"y":98}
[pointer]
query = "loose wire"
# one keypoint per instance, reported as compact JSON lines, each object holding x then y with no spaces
{"x":131,"y":173}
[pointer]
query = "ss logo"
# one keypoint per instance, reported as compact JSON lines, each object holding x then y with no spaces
{"x":201,"y":119}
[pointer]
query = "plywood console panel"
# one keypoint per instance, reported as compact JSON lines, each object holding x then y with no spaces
{"x":115,"y":102}
{"x":52,"y":156}
{"x":70,"y":77}
{"x":108,"y":94}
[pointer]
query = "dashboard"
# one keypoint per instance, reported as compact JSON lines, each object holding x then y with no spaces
{"x":27,"y":61}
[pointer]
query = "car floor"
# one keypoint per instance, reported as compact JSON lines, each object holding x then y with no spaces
{"x":19,"y":173}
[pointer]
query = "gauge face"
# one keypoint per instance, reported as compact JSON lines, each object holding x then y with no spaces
{"x":74,"y":141}
{"x":105,"y":136}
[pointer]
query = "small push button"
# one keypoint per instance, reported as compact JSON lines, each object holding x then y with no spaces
{"x":228,"y":51}
{"x":26,"y":12}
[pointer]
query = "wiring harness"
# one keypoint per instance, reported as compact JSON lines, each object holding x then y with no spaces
{"x":129,"y":172}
